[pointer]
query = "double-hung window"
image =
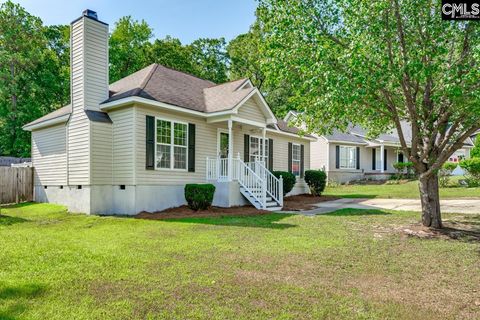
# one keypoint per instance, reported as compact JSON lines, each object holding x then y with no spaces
{"x":296,"y":159}
{"x":256,"y":149}
{"x":172,"y":145}
{"x":348,"y":157}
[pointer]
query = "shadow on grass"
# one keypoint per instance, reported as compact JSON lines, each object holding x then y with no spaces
{"x":467,"y":229}
{"x":357,"y":212}
{"x":269,"y":221}
{"x":8,"y":221}
{"x":9,"y":297}
{"x":18,"y":205}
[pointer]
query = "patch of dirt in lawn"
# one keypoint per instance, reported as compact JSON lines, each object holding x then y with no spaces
{"x":463,"y":228}
{"x":304,"y":202}
{"x":186,"y":212}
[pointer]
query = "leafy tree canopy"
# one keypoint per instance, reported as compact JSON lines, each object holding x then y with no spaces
{"x":377,"y":64}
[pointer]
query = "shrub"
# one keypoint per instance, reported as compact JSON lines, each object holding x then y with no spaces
{"x":445,"y":172}
{"x":288,"y":180}
{"x":316,"y":180}
{"x":199,"y":196}
{"x":400,"y":168}
{"x":410,"y":170}
{"x":472,"y":168}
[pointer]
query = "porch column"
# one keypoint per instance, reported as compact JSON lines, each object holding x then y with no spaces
{"x":230,"y":150}
{"x":264,"y":130}
{"x":382,"y":153}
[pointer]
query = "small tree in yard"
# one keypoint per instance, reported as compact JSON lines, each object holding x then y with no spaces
{"x":380,"y":64}
{"x":475,"y":152}
{"x":472,"y":168}
{"x":445,"y":173}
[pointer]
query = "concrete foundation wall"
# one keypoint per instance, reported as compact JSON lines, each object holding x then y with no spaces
{"x":113,"y":200}
{"x":76,"y":200}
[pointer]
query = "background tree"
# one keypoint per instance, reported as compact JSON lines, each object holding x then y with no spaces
{"x":210,"y":59}
{"x":247,"y":60}
{"x":244,"y":55}
{"x":171,"y":53}
{"x":129,"y":46}
{"x":475,"y":152}
{"x":23,"y":59}
{"x":378,"y":64}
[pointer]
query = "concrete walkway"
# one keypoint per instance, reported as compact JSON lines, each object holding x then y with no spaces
{"x":469,"y":206}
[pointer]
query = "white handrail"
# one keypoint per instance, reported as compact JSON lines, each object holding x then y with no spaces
{"x":274,"y":185}
{"x":253,"y":176}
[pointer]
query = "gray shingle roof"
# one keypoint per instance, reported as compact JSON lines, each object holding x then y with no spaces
{"x":162,"y":84}
{"x":283,"y":126}
{"x":344,"y":136}
{"x":52,"y":115}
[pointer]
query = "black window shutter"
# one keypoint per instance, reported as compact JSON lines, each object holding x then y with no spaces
{"x":246,"y":148}
{"x":358,"y":158}
{"x":337,"y":157}
{"x":290,"y":157}
{"x":374,"y":158}
{"x":302,"y":160}
{"x":400,"y":157}
{"x":270,"y":154}
{"x":150,"y":143}
{"x":191,"y":147}
{"x":384,"y":159}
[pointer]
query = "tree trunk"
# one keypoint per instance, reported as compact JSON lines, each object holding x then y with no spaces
{"x":430,"y":199}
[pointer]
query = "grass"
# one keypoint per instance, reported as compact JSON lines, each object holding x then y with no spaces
{"x":352,"y":264}
{"x":408,"y":190}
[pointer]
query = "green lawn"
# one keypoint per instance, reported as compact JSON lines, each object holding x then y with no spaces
{"x":348,"y":265}
{"x":408,"y":190}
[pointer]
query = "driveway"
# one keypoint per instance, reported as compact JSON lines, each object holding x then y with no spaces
{"x":471,"y":206}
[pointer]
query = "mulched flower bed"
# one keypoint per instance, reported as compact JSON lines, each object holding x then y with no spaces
{"x":186,"y":212}
{"x":292,"y":203}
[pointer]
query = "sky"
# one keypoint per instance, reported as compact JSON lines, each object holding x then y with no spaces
{"x":184,"y":19}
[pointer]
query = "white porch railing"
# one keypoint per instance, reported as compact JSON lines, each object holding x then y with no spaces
{"x":257,"y":180}
{"x":274,"y":186}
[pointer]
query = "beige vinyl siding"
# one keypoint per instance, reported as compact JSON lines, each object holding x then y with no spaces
{"x":89,"y":81}
{"x":250,"y":110}
{"x":102,"y":150}
{"x":319,"y":154}
{"x":280,"y":146}
{"x":96,"y":63}
{"x":123,"y":145}
{"x":280,"y":150}
{"x":78,"y":125}
{"x":205,"y":146}
{"x":49,"y":156}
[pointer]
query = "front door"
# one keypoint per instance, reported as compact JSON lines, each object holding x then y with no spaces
{"x":223,"y":155}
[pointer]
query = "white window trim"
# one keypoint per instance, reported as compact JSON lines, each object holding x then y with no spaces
{"x":172,"y":144}
{"x":340,"y":158}
{"x":299,"y":160}
{"x":250,"y":147}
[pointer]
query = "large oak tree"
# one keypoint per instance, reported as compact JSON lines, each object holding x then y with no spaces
{"x":378,"y":63}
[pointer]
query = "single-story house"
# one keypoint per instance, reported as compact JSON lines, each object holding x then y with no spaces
{"x":131,"y":146}
{"x":349,"y":156}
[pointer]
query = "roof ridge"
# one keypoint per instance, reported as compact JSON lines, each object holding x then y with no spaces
{"x":186,"y":73}
{"x":220,"y":84}
{"x":145,"y":80}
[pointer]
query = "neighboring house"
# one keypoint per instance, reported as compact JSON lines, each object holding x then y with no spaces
{"x":9,"y":161}
{"x":352,"y":156}
{"x":132,"y":146}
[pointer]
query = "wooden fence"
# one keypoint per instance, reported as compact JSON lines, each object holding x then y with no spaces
{"x":16,"y":185}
